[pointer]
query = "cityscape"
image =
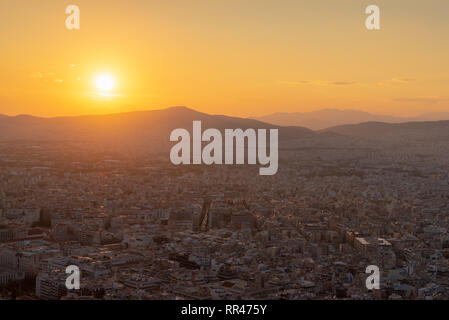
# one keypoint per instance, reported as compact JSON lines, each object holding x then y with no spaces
{"x":223,"y":157}
{"x":139,"y":227}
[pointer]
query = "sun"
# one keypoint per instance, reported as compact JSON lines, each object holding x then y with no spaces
{"x":104,"y":83}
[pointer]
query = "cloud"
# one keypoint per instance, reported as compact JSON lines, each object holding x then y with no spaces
{"x":317,"y":83}
{"x":402,"y":80}
{"x":46,"y":77}
{"x":427,"y":100}
{"x":343,"y":83}
{"x":322,"y":83}
{"x":36,"y":75}
{"x":396,"y":81}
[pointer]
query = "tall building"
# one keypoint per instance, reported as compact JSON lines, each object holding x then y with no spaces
{"x":51,"y":286}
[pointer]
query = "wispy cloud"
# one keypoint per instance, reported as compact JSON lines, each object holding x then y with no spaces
{"x":326,"y":83}
{"x":316,"y":83}
{"x":36,"y":75}
{"x":104,"y":95}
{"x":342,"y":83}
{"x":396,"y":81}
{"x":45,"y":76}
{"x":402,"y":80}
{"x":427,"y":100}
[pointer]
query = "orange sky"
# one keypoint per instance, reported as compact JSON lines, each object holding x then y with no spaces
{"x":235,"y":57}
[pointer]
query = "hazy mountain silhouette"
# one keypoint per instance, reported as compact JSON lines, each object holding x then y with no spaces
{"x":321,"y":119}
{"x":131,"y":128}
{"x":410,"y":131}
{"x":153,"y":128}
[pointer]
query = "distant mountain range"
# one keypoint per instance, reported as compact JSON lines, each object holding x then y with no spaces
{"x":153,"y":128}
{"x":131,"y":128}
{"x":434,"y":131}
{"x":322,"y":119}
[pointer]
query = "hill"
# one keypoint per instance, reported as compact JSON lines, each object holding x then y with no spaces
{"x":131,"y":128}
{"x":410,"y":131}
{"x":321,"y":119}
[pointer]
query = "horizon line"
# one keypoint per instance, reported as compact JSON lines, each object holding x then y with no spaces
{"x":254,"y":117}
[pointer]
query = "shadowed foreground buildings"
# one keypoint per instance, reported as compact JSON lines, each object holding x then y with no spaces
{"x":139,"y":228}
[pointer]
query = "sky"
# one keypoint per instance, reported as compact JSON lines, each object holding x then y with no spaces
{"x":234,"y":57}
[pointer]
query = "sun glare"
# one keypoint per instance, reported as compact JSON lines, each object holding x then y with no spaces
{"x":104,"y":83}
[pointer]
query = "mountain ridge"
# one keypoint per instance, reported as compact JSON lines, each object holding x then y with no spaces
{"x":153,"y":127}
{"x":407,"y":131}
{"x":326,"y":118}
{"x":135,"y":127}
